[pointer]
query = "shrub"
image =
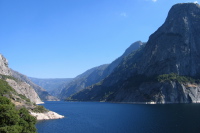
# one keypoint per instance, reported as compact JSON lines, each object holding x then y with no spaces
{"x":176,"y":77}
{"x":13,"y":120}
{"x":39,"y":109}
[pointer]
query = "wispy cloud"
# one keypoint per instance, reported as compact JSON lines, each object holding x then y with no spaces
{"x":195,"y":2}
{"x":123,"y":14}
{"x":154,"y":0}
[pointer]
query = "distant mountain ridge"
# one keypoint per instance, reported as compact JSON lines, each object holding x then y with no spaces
{"x":43,"y":94}
{"x":52,"y":85}
{"x":166,"y":70}
{"x":95,"y":74}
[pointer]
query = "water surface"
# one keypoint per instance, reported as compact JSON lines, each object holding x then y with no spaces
{"x":96,"y":117}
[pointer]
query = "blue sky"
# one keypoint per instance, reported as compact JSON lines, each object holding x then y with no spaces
{"x":64,"y":38}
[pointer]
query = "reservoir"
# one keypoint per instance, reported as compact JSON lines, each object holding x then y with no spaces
{"x":102,"y":117}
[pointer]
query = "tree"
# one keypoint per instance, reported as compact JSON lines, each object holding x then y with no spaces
{"x":13,"y":120}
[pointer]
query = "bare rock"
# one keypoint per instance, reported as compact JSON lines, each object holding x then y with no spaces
{"x":47,"y":115}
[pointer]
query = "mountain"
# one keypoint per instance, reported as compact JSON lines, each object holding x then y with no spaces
{"x":95,"y":74}
{"x":30,"y":90}
{"x":18,"y":102}
{"x":80,"y":82}
{"x":20,"y":87}
{"x":51,"y":85}
{"x":43,"y":94}
{"x":167,"y":69}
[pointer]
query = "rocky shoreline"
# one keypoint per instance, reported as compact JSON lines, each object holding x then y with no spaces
{"x":47,"y":115}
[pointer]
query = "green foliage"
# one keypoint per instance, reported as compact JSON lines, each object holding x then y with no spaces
{"x":27,"y":121}
{"x":13,"y":120}
{"x":24,"y":97}
{"x":5,"y":88}
{"x":4,"y":100}
{"x":107,"y":94}
{"x":4,"y":77}
{"x":39,"y":109}
{"x":8,"y":115}
{"x":176,"y":77}
{"x":137,"y":80}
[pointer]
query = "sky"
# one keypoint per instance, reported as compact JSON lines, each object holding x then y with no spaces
{"x":64,"y":38}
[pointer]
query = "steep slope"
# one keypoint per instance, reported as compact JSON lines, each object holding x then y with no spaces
{"x":12,"y":118}
{"x":173,"y":48}
{"x":43,"y":94}
{"x":51,"y":85}
{"x":22,"y":95}
{"x":80,"y":82}
{"x":96,"y":74}
{"x":4,"y":70}
{"x":19,"y":86}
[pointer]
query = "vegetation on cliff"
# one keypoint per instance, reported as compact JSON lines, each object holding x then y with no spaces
{"x":178,"y":78}
{"x":13,"y":120}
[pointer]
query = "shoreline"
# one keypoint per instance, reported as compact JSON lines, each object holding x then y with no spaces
{"x":139,"y":102}
{"x":46,"y":116}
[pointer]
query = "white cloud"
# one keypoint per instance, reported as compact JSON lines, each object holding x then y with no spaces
{"x":123,"y":14}
{"x":154,"y":0}
{"x":195,"y":2}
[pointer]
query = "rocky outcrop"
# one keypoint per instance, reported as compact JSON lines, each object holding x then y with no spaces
{"x":24,"y":89}
{"x":19,"y":86}
{"x":19,"y":90}
{"x":4,"y":70}
{"x":155,"y":92}
{"x":173,"y":48}
{"x":95,"y":74}
{"x":43,"y":94}
{"x":47,"y":115}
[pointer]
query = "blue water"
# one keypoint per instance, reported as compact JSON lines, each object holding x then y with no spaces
{"x":95,"y":117}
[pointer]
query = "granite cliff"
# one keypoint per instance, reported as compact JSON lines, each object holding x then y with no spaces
{"x":19,"y":86}
{"x":43,"y":94}
{"x":4,"y":70}
{"x":166,"y":70}
{"x":19,"y":90}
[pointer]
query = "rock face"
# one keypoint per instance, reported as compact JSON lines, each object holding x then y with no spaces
{"x":24,"y":89}
{"x":19,"y":86}
{"x":47,"y":116}
{"x":167,"y":92}
{"x":19,"y":90}
{"x":173,"y":48}
{"x":43,"y":94}
{"x":4,"y":70}
{"x":96,"y":74}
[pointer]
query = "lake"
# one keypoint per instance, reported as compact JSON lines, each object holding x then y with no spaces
{"x":98,"y":117}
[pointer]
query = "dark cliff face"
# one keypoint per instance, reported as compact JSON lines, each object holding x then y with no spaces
{"x":96,"y":74}
{"x":173,"y":48}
